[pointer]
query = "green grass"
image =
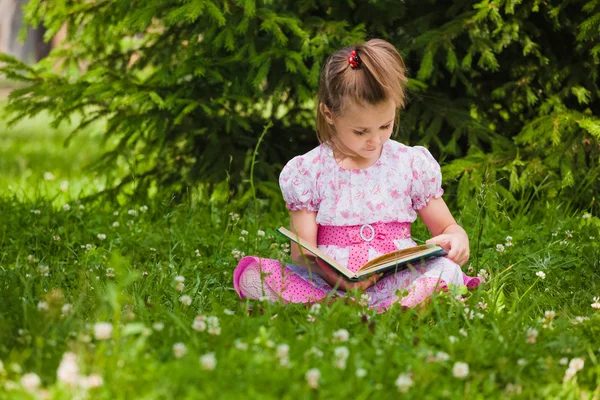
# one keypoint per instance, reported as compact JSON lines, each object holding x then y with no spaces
{"x":54,"y":257}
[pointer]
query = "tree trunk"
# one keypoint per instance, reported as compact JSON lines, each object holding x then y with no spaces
{"x":11,"y":22}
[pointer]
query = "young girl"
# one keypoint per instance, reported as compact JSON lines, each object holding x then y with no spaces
{"x":356,"y":194}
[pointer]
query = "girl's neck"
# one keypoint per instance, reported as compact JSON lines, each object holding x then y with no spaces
{"x":355,"y":163}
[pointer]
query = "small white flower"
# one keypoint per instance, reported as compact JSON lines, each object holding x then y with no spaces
{"x":158,"y":326}
{"x":179,"y":350}
{"x":68,"y":370}
{"x":44,"y":270}
{"x":452,"y":339}
{"x":49,"y":176}
{"x":30,"y":382}
{"x":365,"y":299}
{"x":64,"y":186}
{"x":242,"y":239}
{"x":132,"y":212}
{"x":115,"y":213}
{"x":103,"y":330}
{"x":315,"y":308}
{"x":500,"y":248}
{"x":36,"y":212}
{"x":483,"y":275}
{"x":441,"y":356}
{"x":577,"y":364}
{"x":144,"y":209}
{"x":563,"y":361}
{"x":239,"y":345}
{"x":115,"y":224}
{"x":521,"y":361}
{"x":180,"y":279}
{"x":311,"y":318}
{"x":89,"y":247}
{"x":531,"y":335}
{"x":341,"y":354}
{"x":586,"y":216}
{"x":361,"y":372}
{"x":341,"y":335}
{"x":185,"y":300}
{"x":199,"y":323}
{"x":508,"y":239}
{"x":67,"y":207}
{"x":66,"y":309}
{"x":244,"y":232}
{"x":101,"y":236}
{"x":312,"y":378}
{"x":403,"y":383}
{"x":228,"y":312}
{"x":460,"y":369}
{"x":180,"y":286}
{"x":208,"y":361}
{"x":463,"y":332}
{"x":283,"y":351}
{"x":94,"y":381}
{"x":260,"y":233}
{"x":213,"y":325}
{"x":569,"y":374}
{"x":56,"y":238}
{"x":596,"y":303}
{"x":42,"y":306}
{"x":541,"y":274}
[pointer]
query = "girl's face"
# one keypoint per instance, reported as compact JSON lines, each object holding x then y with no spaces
{"x":363,"y":129}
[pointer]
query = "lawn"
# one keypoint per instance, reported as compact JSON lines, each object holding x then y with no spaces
{"x":134,"y":299}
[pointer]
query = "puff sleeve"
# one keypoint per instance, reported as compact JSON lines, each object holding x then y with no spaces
{"x":426,"y":179}
{"x":298,"y":182}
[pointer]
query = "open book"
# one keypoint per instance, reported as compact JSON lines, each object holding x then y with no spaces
{"x":390,"y":262}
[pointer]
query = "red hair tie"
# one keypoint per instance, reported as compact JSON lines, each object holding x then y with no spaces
{"x":354,"y":59}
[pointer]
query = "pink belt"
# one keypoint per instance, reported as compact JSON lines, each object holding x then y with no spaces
{"x":380,"y":236}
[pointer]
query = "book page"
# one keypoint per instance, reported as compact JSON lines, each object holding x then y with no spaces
{"x":329,"y":260}
{"x":400,"y":255}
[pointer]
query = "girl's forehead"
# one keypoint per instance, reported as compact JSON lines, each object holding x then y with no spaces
{"x":363,"y":114}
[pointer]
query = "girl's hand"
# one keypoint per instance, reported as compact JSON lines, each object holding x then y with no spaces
{"x":334,"y":278}
{"x":455,"y":243}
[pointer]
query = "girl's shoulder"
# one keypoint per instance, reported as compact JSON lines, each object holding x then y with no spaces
{"x":409,"y":154}
{"x":315,"y":157}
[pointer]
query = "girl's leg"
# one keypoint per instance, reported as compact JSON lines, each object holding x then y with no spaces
{"x":256,"y":277}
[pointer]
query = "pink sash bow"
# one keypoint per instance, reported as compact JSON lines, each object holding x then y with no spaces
{"x":359,"y":238}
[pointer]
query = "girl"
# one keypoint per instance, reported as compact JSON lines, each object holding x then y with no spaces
{"x":356,"y":194}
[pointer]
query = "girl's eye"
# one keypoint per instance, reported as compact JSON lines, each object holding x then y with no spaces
{"x":359,"y":133}
{"x":386,"y":127}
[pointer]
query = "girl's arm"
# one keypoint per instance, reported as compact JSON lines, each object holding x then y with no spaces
{"x":446,"y":232}
{"x":304,"y":223}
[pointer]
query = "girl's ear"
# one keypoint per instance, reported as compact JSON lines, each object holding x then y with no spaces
{"x":326,"y":113}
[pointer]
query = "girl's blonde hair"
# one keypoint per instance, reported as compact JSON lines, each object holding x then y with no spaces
{"x":379,"y":76}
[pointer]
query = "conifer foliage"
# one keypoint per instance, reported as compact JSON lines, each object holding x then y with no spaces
{"x":500,"y":90}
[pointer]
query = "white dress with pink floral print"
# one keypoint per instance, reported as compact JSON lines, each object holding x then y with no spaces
{"x":393,"y":189}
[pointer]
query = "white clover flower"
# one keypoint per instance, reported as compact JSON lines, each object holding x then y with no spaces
{"x":30,"y":382}
{"x":68,"y":370}
{"x":94,"y":381}
{"x":312,"y":378}
{"x":242,"y":239}
{"x":228,"y":312}
{"x":452,"y":339}
{"x":158,"y":326}
{"x":260,"y":233}
{"x":500,"y":248}
{"x":577,"y":364}
{"x":103,"y":330}
{"x":36,"y":212}
{"x":508,"y":239}
{"x":365,"y":299}
{"x":361,"y":372}
{"x":49,"y":176}
{"x":463,"y":332}
{"x":44,"y":270}
{"x":42,"y":306}
{"x":180,"y":286}
{"x":56,"y":238}
{"x":521,"y":361}
{"x":199,"y":323}
{"x":460,"y":369}
{"x":586,"y":216}
{"x":115,"y":224}
{"x":283,"y":351}
{"x":311,"y":318}
{"x":179,"y":350}
{"x":341,"y":335}
{"x":563,"y":361}
{"x":569,"y":374}
{"x":484,"y":275}
{"x":101,"y":236}
{"x":213,"y":325}
{"x":64,"y":186}
{"x":144,"y":209}
{"x":315,"y":308}
{"x":89,"y":247}
{"x":185,"y":300}
{"x":197,"y":253}
{"x":541,"y":274}
{"x":532,"y":335}
{"x":596,"y":303}
{"x":67,"y":207}
{"x":132,"y":212}
{"x":180,"y":279}
{"x":244,"y":232}
{"x":208,"y":361}
{"x":239,"y":345}
{"x":341,"y":354}
{"x":66,"y":309}
{"x":403,"y":383}
{"x":441,"y":356}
